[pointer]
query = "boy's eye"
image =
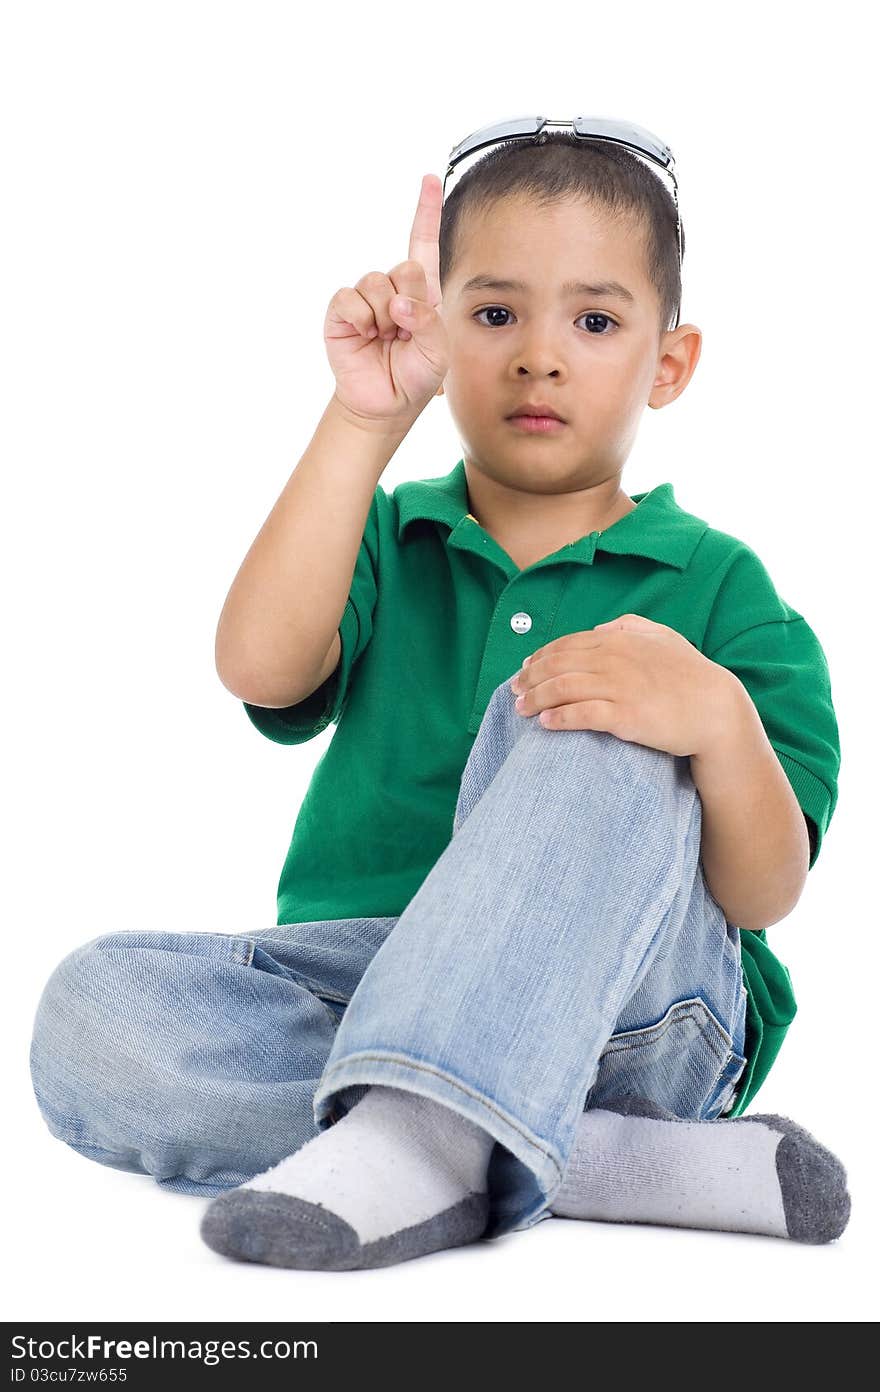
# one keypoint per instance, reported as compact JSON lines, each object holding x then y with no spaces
{"x":592,"y":315}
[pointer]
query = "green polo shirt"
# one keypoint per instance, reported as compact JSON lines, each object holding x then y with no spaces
{"x":438,"y":615}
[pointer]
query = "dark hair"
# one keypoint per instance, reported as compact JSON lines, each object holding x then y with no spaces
{"x":565,"y":166}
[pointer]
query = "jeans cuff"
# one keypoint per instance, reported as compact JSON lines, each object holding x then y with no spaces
{"x":526,"y":1201}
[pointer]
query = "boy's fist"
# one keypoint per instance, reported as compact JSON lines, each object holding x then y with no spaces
{"x":389,"y":361}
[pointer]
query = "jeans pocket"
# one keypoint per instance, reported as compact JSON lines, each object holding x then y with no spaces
{"x":263,"y":961}
{"x":686,"y":1062}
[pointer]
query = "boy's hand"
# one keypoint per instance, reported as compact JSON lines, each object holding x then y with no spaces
{"x":640,"y":680}
{"x":387,"y":363}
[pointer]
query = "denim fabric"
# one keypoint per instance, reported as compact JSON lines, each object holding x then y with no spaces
{"x":563,"y":950}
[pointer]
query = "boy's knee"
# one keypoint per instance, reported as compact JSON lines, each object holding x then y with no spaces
{"x":89,"y":1086}
{"x":69,"y":984}
{"x":73,"y":1013}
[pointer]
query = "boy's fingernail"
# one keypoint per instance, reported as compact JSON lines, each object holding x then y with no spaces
{"x":404,"y":306}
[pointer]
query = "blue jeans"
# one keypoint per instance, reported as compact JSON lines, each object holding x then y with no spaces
{"x":563,"y":949}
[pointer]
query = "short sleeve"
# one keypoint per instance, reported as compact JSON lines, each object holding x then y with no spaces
{"x":303,"y":721}
{"x":783,"y":667}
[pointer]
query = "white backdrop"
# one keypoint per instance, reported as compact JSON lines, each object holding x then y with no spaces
{"x":184,"y":186}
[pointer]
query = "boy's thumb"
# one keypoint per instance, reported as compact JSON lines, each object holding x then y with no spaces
{"x":420,"y":318}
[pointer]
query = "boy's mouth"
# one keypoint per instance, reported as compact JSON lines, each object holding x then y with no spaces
{"x":537,"y":418}
{"x":541,"y":409}
{"x":538,"y":425}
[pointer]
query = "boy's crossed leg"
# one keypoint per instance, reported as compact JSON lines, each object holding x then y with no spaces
{"x":401,"y":1173}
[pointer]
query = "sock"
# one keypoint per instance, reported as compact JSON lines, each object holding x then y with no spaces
{"x":395,"y":1178}
{"x":635,"y":1162}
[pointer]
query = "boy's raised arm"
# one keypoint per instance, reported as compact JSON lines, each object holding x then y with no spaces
{"x":285,"y":605}
{"x":280,"y":619}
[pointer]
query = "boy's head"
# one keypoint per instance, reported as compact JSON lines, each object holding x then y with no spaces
{"x":568,"y":209}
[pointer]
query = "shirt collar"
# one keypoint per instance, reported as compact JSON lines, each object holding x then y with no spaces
{"x":657,"y":527}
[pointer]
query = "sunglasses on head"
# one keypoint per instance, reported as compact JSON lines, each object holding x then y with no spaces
{"x":533,"y":128}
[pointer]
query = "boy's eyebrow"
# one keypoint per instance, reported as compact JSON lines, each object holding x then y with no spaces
{"x":611,"y":288}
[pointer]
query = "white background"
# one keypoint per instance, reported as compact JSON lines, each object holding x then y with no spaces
{"x":184,"y":186}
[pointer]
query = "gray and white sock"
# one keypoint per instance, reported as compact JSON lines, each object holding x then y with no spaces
{"x":397,"y":1177}
{"x":636,"y":1162}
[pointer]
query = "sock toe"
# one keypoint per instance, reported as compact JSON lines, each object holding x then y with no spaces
{"x":280,"y":1230}
{"x":812,"y":1180}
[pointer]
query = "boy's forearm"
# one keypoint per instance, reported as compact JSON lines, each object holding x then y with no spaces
{"x":754,"y":848}
{"x":286,"y":602}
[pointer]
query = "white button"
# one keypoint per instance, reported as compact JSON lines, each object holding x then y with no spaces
{"x":521,"y":623}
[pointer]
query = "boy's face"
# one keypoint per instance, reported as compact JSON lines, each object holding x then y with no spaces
{"x":597,"y":358}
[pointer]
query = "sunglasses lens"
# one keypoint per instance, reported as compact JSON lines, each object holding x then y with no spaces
{"x":520,"y":125}
{"x":626,"y":134}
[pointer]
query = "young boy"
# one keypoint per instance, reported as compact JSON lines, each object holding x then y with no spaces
{"x":520,"y":967}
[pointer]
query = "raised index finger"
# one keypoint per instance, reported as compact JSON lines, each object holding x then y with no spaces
{"x":424,"y":239}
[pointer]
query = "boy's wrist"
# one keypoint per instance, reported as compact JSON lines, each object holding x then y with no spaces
{"x":382,"y":430}
{"x":736,"y":717}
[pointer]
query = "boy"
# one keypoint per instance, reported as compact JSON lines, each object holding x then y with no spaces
{"x":549,"y":1012}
